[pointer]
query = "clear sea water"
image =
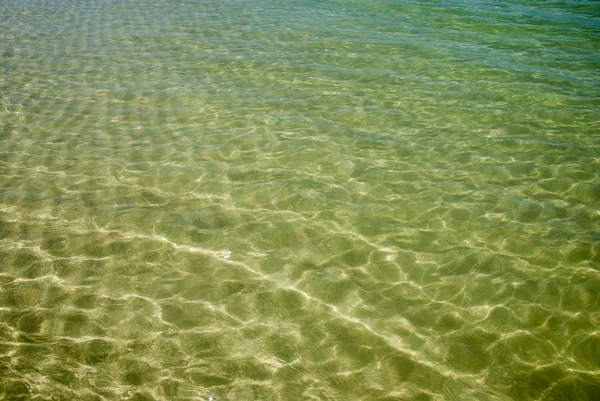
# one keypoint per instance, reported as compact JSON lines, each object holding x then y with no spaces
{"x":260,"y":200}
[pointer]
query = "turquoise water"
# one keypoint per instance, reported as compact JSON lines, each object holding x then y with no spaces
{"x":300,"y":200}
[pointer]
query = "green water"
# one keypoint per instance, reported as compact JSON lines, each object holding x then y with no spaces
{"x":300,"y":200}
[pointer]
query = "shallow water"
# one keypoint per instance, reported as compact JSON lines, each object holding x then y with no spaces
{"x":299,"y":200}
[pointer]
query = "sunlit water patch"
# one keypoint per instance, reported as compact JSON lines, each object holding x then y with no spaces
{"x":299,"y":200}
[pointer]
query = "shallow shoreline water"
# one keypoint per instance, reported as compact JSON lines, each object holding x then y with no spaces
{"x":300,"y":200}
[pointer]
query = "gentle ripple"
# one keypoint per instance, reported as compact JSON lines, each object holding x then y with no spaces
{"x":299,"y":200}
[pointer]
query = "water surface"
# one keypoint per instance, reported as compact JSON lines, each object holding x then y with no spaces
{"x":299,"y":200}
